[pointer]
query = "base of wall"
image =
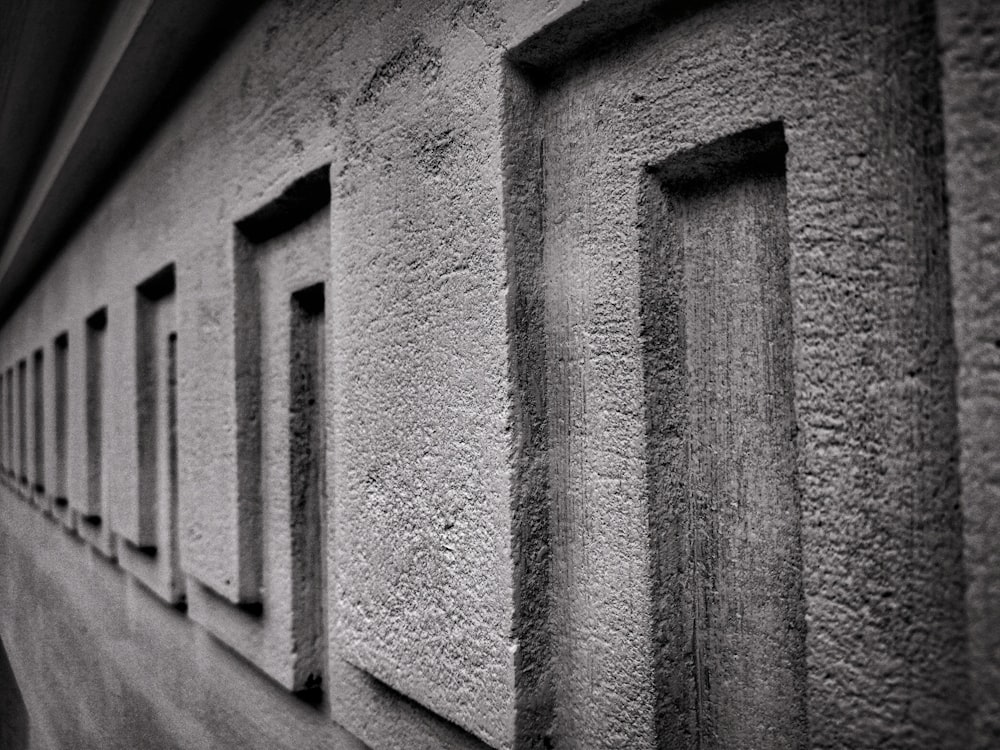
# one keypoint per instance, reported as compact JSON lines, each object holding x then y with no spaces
{"x":102,"y":663}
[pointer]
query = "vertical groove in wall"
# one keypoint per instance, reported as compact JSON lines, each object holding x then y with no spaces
{"x":724,"y":506}
{"x":248,"y":422}
{"x":306,"y":479}
{"x":96,"y":325}
{"x":61,"y":355}
{"x":530,"y":512}
{"x":10,"y":421}
{"x":171,"y":434}
{"x":38,"y":383}
{"x":152,"y":332}
{"x":11,"y":434}
{"x":22,"y":420}
{"x":3,"y":422}
{"x":147,"y":393}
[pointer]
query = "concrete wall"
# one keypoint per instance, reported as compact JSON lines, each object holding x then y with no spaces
{"x":468,"y":374}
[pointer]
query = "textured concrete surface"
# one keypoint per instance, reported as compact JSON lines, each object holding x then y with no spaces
{"x":872,"y":391}
{"x":970,"y":57}
{"x":729,"y":629}
{"x":121,"y":670}
{"x":637,"y":391}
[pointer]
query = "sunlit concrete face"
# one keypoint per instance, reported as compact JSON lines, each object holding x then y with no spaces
{"x":500,"y":376}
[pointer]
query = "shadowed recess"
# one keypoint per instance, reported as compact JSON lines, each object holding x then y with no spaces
{"x":39,"y":419}
{"x":96,"y":326}
{"x":14,"y":727}
{"x":307,"y":496}
{"x":297,"y":202}
{"x":152,"y":333}
{"x":61,"y":351}
{"x":729,"y":622}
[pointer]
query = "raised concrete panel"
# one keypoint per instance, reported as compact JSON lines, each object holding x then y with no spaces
{"x":147,"y":519}
{"x":282,"y":261}
{"x":749,"y":436}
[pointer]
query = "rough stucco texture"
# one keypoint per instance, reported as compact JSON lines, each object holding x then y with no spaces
{"x":874,"y":500}
{"x":640,"y":410}
{"x":970,"y":40}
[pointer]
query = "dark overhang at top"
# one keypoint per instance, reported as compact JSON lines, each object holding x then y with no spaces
{"x":82,"y":86}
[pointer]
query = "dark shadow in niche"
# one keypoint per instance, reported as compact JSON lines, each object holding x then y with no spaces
{"x":14,"y":726}
{"x":96,"y":327}
{"x":151,"y":389}
{"x":38,"y":420}
{"x":22,"y":419}
{"x":720,"y":440}
{"x":297,"y":202}
{"x":306,"y":472}
{"x":61,"y":352}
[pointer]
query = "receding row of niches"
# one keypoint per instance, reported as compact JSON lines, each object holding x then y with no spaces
{"x":33,"y":449}
{"x":55,"y":450}
{"x":101,"y":406}
{"x":60,"y":406}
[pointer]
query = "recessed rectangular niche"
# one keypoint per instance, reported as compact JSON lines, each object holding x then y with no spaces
{"x":307,"y":481}
{"x":154,"y":328}
{"x":10,"y":422}
{"x":281,"y":264}
{"x":38,"y":420}
{"x":22,"y":420}
{"x":3,"y":422}
{"x":149,"y":522}
{"x":729,"y":633}
{"x":94,"y":393}
{"x":60,"y":352}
